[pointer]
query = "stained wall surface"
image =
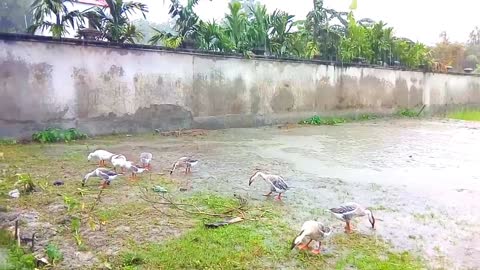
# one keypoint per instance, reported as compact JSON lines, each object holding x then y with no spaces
{"x":103,"y":90}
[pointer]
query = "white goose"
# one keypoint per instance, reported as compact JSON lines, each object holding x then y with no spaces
{"x":348,"y":211}
{"x":134,"y":169}
{"x":313,"y":231}
{"x":101,"y":156}
{"x":277,"y":183}
{"x":145,"y":159}
{"x":106,"y":175}
{"x":119,"y":161}
{"x":185,"y":162}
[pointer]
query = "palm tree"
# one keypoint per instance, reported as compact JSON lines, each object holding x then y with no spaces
{"x":281,"y":24}
{"x":211,"y":36}
{"x":43,"y":10}
{"x":236,"y":26}
{"x":258,"y":28}
{"x":113,"y":21}
{"x":186,"y":24}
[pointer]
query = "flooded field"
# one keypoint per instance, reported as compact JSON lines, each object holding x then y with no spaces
{"x":419,"y":177}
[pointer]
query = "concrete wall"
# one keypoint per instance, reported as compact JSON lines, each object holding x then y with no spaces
{"x":102,"y":90}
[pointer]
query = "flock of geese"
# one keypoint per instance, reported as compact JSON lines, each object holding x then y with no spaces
{"x":311,"y":231}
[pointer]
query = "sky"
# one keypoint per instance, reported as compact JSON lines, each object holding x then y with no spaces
{"x":418,"y":20}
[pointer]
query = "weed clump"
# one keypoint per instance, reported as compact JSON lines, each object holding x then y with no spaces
{"x":52,"y":135}
{"x":405,"y":112}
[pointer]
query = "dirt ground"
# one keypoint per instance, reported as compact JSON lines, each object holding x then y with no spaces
{"x":418,"y":176}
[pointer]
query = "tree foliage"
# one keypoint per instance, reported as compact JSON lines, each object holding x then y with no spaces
{"x":55,"y":17}
{"x":114,"y":22}
{"x":248,"y":28}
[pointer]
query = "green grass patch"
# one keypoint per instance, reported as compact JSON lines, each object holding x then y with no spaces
{"x":405,"y":112}
{"x":212,"y":202}
{"x":469,"y":115}
{"x":331,"y":120}
{"x":229,"y":247}
{"x":367,"y":253}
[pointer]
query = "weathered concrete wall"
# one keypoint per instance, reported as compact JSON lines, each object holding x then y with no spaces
{"x":103,"y":90}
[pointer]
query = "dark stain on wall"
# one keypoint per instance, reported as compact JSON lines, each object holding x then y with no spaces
{"x":283,"y":100}
{"x":160,"y":117}
{"x":27,"y":93}
{"x":213,"y":94}
{"x":400,"y":93}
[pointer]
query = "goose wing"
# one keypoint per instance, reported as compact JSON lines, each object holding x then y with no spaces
{"x":344,"y":209}
{"x":280,"y":184}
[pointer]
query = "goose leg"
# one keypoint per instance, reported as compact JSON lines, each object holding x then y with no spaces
{"x":279,"y":196}
{"x":317,"y":250}
{"x":104,"y":184}
{"x":348,"y":228}
{"x":304,"y":246}
{"x":268,"y":194}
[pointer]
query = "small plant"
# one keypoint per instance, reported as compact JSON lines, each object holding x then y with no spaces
{"x":71,"y":203}
{"x":25,"y":182}
{"x":53,"y":253}
{"x":52,"y":135}
{"x":317,"y":120}
{"x":75,"y":226}
{"x":406,"y":113}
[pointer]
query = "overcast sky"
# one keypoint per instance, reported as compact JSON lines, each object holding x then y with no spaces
{"x":419,"y":20}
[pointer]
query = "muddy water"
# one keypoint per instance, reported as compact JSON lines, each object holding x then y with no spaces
{"x":421,"y":177}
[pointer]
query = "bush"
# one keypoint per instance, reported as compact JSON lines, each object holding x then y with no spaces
{"x":51,"y":135}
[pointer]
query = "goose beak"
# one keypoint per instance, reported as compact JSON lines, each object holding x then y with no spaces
{"x":250,"y":182}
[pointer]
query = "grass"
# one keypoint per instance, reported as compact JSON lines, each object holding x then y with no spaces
{"x":331,"y":120}
{"x":224,"y":248}
{"x":468,"y":114}
{"x":260,"y":242}
{"x":367,"y":253}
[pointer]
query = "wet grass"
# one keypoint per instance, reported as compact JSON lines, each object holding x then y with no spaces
{"x":369,"y":253}
{"x":468,"y":115}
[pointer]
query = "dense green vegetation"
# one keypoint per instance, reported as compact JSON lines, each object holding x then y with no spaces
{"x":247,"y":28}
{"x":51,"y":135}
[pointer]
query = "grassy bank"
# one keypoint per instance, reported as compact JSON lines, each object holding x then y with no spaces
{"x":468,"y":115}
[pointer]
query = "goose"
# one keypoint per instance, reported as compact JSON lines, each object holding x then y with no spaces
{"x":313,"y":231}
{"x":135,"y":169}
{"x":348,"y":211}
{"x":145,"y":159}
{"x":185,"y":162}
{"x":101,"y":156}
{"x":119,"y":161}
{"x":277,"y":183}
{"x":106,"y":175}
